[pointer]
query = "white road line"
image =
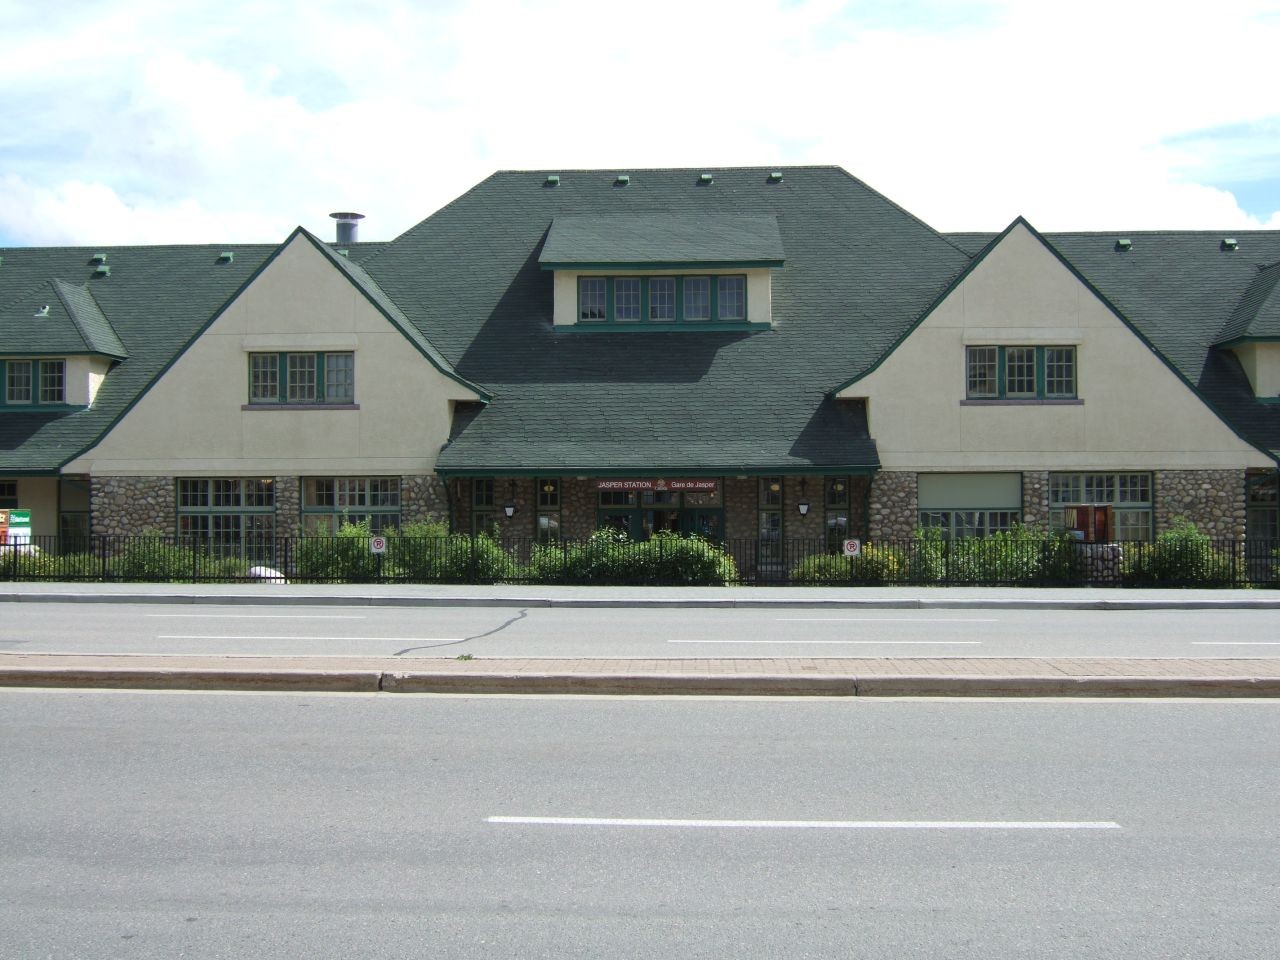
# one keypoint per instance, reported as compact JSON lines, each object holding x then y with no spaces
{"x":885,"y":620}
{"x":898,"y":642}
{"x":819,"y":824}
{"x":255,"y":616}
{"x":185,"y":636}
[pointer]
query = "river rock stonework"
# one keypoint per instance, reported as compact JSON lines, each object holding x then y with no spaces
{"x":423,"y":499}
{"x":894,"y":507}
{"x":1035,"y":499}
{"x":1211,"y":499}
{"x":130,"y":506}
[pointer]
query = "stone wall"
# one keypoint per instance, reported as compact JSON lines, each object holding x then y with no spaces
{"x":288,"y":500}
{"x":1211,"y":499}
{"x":1035,"y":499}
{"x":894,"y":508}
{"x":128,"y":506}
{"x":422,"y":499}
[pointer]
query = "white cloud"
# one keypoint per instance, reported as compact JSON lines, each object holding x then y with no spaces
{"x":142,"y":122}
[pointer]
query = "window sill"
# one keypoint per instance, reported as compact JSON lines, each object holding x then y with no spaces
{"x":300,"y":406}
{"x":653,"y":326}
{"x":1023,"y":402}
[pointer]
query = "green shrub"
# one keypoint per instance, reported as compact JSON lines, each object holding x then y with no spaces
{"x":1020,"y":555}
{"x":927,"y":559}
{"x":1181,"y":556}
{"x":343,"y":557}
{"x":873,"y":565}
{"x":611,"y":557}
{"x":158,"y":558}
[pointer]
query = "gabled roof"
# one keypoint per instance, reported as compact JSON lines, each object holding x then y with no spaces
{"x":658,"y":241}
{"x":1257,"y":316}
{"x":60,"y":319}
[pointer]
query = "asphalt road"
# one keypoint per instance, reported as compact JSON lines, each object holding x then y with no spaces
{"x":285,"y":826}
{"x":636,"y":632}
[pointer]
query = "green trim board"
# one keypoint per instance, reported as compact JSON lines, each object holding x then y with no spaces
{"x":666,"y":265}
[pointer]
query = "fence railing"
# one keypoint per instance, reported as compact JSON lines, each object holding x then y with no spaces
{"x":460,"y":558}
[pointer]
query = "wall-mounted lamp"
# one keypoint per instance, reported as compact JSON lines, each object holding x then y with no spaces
{"x":509,"y":508}
{"x":803,"y":507}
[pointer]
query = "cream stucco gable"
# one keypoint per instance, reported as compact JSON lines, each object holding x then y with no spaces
{"x":196,"y":418}
{"x":1130,"y":410}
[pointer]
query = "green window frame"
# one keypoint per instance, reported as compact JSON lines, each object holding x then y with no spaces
{"x":836,"y":512}
{"x":484,"y":503}
{"x":961,"y":524}
{"x":229,"y":516}
{"x":770,"y":524}
{"x":1020,"y":373}
{"x":1130,"y":494}
{"x":328,"y":502}
{"x":299,"y":378}
{"x":33,"y":382}
{"x":715,"y":299}
{"x":547,"y":518}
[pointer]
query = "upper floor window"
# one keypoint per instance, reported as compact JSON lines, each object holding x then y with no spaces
{"x":303,"y":378}
{"x":663,"y":299}
{"x":1020,"y":373}
{"x":34,"y":381}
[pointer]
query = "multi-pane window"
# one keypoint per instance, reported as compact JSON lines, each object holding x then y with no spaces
{"x":593,"y":298}
{"x":8,"y":494}
{"x":34,"y":381}
{"x":483,"y":505}
{"x":328,"y":502}
{"x":836,"y":497}
{"x":548,"y":518}
{"x":302,"y":378}
{"x":18,"y":381}
{"x":1020,"y":373}
{"x":733,"y":298}
{"x":1128,"y":494}
{"x":232,"y":517}
{"x":958,"y":524}
{"x":770,"y":520}
{"x":697,"y":298}
{"x":626,"y":298}
{"x":663,"y":299}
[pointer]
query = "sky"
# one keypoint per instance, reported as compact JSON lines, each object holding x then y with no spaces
{"x":137,"y":121}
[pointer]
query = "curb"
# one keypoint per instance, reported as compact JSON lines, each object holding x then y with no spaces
{"x":691,"y":603}
{"x":765,"y":685}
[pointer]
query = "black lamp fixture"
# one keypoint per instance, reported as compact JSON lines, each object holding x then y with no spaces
{"x":803,"y":505}
{"x":509,"y":508}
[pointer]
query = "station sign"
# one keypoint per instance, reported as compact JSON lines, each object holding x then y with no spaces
{"x":660,"y":485}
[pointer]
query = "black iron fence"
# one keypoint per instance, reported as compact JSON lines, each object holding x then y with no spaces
{"x":665,"y":559}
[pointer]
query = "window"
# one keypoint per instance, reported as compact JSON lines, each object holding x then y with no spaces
{"x":1020,"y":373}
{"x":836,"y":499}
{"x":548,"y":518}
{"x":770,"y":530}
{"x":483,"y":514}
{"x":1129,"y":495}
{"x":302,"y":378}
{"x":957,"y":524}
{"x":663,"y":299}
{"x":328,"y":502}
{"x":34,"y":381}
{"x":230,"y":517}
{"x":8,"y":494}
{"x":969,"y":504}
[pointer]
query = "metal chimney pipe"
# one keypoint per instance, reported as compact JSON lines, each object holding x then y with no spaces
{"x":348,"y":226}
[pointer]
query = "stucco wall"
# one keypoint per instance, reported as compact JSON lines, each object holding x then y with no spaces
{"x":1261,"y":362}
{"x":1133,"y":411}
{"x":195,"y":420}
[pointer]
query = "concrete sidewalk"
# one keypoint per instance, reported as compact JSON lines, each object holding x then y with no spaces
{"x":791,"y":676}
{"x":512,"y":595}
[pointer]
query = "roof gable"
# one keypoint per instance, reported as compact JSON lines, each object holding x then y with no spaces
{"x":57,"y":318}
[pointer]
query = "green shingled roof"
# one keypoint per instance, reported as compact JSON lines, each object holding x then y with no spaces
{"x":669,"y":239}
{"x":57,"y":318}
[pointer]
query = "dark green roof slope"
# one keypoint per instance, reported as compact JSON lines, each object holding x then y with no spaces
{"x":154,"y":299}
{"x":858,"y":271}
{"x":671,"y":238}
{"x":57,"y":318}
{"x":1257,"y":316}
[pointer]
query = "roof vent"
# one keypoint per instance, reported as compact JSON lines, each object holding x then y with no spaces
{"x":102,"y":270}
{"x":348,"y":226}
{"x":1124,"y":244}
{"x":343,"y":252}
{"x":226,"y":256}
{"x":623,"y":180}
{"x":553,"y":180}
{"x":98,"y":258}
{"x":775,"y":177}
{"x":1230,"y":243}
{"x":706,"y":178}
{"x":42,"y":312}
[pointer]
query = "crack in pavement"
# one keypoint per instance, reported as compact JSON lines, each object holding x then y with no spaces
{"x":520,"y":615}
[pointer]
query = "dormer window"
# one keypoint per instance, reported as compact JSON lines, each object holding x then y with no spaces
{"x":34,"y":382}
{"x":674,"y":300}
